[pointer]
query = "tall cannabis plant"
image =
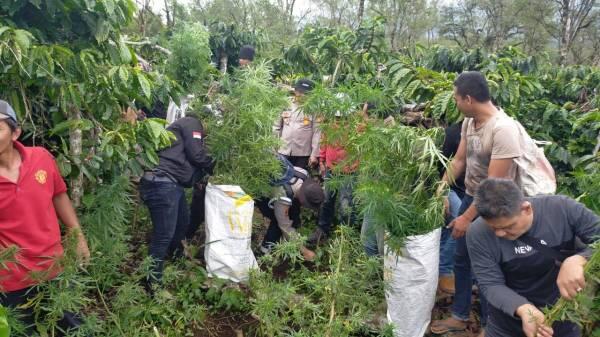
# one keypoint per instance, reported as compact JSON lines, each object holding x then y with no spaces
{"x":189,"y":62}
{"x":397,"y":176}
{"x":241,"y":140}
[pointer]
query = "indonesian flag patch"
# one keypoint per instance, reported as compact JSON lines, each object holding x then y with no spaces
{"x":196,"y":134}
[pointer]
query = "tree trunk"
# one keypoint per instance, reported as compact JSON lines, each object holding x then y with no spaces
{"x":173,"y":13}
{"x":223,"y":62}
{"x":167,"y":13}
{"x":335,"y":72}
{"x":142,"y":20}
{"x":565,"y":31}
{"x":290,"y":11}
{"x":574,"y":16}
{"x":393,"y":38}
{"x":361,"y":10}
{"x":75,"y":145}
{"x":597,"y":147}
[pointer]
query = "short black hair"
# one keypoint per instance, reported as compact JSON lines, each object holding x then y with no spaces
{"x":247,"y":53}
{"x":474,"y":84}
{"x":498,"y":198}
{"x":12,"y":124}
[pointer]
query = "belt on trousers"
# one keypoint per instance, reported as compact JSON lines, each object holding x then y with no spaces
{"x":158,"y":177}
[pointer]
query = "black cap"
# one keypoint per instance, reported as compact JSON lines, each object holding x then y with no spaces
{"x":311,"y":194}
{"x":304,"y":85}
{"x":247,"y":53}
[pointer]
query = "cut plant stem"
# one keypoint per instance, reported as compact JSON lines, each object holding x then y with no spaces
{"x":337,"y":271}
{"x":564,"y":308}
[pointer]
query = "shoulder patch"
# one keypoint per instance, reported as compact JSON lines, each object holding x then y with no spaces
{"x":196,"y":135}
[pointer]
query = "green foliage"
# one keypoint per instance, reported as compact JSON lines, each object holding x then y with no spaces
{"x":224,"y":295}
{"x":242,"y":140}
{"x":340,"y":54}
{"x":397,"y":173}
{"x":49,"y":84}
{"x":109,"y":290}
{"x":398,"y":179}
{"x":66,"y":59}
{"x":4,"y":327}
{"x":555,"y":104}
{"x":420,"y":85}
{"x":226,"y":41}
{"x":584,"y":309}
{"x":321,"y":303}
{"x":189,"y":62}
{"x":75,"y":21}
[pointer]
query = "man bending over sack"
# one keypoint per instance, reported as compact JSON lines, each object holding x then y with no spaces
{"x":292,"y":192}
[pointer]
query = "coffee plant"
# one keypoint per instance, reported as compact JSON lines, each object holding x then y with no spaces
{"x":70,"y":73}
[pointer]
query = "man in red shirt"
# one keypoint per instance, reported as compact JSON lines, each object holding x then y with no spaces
{"x":333,"y":165}
{"x":33,"y":197}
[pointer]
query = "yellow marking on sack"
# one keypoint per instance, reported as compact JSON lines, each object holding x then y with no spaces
{"x":235,"y":220}
{"x":240,"y":201}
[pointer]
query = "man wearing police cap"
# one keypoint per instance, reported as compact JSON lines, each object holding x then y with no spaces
{"x":299,"y":132}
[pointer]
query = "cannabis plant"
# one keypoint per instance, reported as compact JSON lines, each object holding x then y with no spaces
{"x":241,"y":140}
{"x":397,"y":178}
{"x":584,"y":309}
{"x":4,"y":327}
{"x":318,"y":303}
{"x":189,"y":62}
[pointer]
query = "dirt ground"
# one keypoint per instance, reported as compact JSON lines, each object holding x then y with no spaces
{"x":442,"y":310}
{"x":238,"y":325}
{"x":226,"y":325}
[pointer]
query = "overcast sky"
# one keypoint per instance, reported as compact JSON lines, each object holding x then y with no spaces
{"x":300,"y":8}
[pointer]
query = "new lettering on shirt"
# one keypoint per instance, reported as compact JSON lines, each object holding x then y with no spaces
{"x":525,"y":249}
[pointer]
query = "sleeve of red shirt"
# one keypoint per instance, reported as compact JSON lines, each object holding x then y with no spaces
{"x":57,"y":179}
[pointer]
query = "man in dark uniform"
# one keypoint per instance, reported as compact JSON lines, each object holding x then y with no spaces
{"x":162,"y":189}
{"x":246,"y":55}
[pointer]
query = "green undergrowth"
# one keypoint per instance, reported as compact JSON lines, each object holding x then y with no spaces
{"x":339,"y":295}
{"x":108,"y":293}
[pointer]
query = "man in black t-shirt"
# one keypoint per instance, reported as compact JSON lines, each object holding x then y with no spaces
{"x":516,"y":247}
